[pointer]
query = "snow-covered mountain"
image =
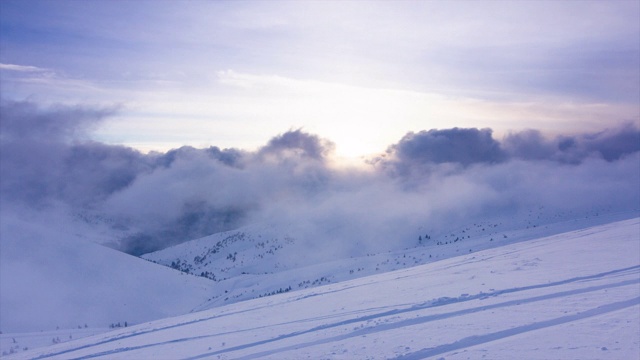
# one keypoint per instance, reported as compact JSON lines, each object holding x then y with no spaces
{"x":262,"y":260}
{"x":570,"y":295}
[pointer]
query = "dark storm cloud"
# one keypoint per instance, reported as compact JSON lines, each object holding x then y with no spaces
{"x":151,"y":201}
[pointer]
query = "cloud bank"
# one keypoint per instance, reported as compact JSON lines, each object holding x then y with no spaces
{"x":428,"y":179}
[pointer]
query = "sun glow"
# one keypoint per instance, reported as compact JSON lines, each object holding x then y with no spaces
{"x":355,"y":118}
{"x":248,"y":110}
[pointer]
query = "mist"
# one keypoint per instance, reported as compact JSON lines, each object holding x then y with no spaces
{"x":427,"y":181}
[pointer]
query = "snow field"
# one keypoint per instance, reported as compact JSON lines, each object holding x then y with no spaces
{"x":572,"y":295}
{"x":260,"y":260}
{"x":52,"y":278}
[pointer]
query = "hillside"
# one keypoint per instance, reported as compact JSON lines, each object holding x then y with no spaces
{"x":261,"y":260}
{"x":571,"y":295}
{"x":55,"y":277}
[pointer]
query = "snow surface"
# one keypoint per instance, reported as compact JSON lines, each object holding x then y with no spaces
{"x":262,"y":260}
{"x":52,"y":277}
{"x":17,"y":342}
{"x":574,"y":295}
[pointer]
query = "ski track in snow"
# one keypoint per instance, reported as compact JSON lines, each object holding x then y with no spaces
{"x":425,"y":319}
{"x":430,"y":304}
{"x":481,"y":339}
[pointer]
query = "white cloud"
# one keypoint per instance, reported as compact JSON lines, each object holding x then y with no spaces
{"x":21,"y":68}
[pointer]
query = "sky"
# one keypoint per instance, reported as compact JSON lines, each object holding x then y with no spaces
{"x":359,"y":73}
{"x":160,"y":122}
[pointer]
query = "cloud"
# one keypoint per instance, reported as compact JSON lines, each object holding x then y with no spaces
{"x":610,"y":145}
{"x":78,"y":175}
{"x":464,"y":146}
{"x":192,"y":195}
{"x":24,"y":120}
{"x":529,"y":145}
{"x":151,"y":201}
{"x":22,"y":68}
{"x":44,"y":160}
{"x":455,"y":146}
{"x":196,"y":192}
{"x":299,"y":144}
{"x":229,"y":157}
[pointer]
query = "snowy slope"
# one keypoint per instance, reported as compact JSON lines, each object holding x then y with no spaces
{"x":261,"y":260}
{"x":54,"y":277}
{"x":572,"y":295}
{"x":11,"y":343}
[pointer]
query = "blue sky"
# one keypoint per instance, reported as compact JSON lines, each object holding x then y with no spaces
{"x":362,"y":74}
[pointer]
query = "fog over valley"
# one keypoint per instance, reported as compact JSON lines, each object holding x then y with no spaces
{"x":432,"y":179}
